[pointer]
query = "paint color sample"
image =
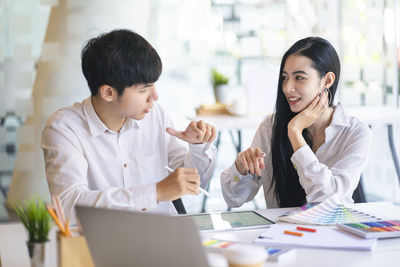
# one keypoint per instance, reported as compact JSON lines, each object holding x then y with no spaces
{"x":327,"y":213}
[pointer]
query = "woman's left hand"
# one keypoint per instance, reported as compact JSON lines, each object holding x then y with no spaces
{"x":310,"y":114}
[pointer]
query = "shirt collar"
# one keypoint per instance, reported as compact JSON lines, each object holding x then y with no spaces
{"x":340,"y":117}
{"x":96,"y":126}
{"x":131,"y":123}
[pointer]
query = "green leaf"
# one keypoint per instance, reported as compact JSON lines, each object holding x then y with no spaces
{"x":218,"y":78}
{"x":35,"y":218}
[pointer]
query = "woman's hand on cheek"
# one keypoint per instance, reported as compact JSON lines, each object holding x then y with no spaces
{"x":310,"y":114}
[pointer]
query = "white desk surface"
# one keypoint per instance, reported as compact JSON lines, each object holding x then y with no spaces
{"x":13,"y":250}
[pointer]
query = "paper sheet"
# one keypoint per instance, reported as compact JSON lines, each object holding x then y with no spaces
{"x":325,"y":237}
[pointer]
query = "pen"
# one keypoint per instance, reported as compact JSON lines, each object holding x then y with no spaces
{"x":200,"y":189}
{"x":292,"y":233}
{"x":306,"y":229}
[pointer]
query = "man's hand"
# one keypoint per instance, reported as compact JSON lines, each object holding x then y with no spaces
{"x":181,"y":182}
{"x":197,"y":132}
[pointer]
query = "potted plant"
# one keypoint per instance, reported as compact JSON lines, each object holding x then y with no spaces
{"x":218,"y":81}
{"x":37,"y":222}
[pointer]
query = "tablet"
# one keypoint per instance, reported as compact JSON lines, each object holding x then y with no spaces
{"x":222,"y":221}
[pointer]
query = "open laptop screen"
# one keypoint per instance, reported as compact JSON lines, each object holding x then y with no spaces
{"x":221,"y":221}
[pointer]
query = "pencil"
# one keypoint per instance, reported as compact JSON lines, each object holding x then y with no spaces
{"x":200,"y":189}
{"x":67,"y":229}
{"x":292,"y":233}
{"x":56,"y":220}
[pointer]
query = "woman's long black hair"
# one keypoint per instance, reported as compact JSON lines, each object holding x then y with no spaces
{"x":324,"y":59}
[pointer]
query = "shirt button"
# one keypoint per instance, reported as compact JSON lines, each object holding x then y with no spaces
{"x":144,"y":209}
{"x":236,"y":178}
{"x":125,"y":165}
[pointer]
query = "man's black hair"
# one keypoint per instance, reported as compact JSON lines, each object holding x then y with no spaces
{"x":120,"y":59}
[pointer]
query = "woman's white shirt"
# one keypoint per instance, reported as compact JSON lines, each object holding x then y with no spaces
{"x":334,"y":169}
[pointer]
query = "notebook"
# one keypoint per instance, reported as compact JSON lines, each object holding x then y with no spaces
{"x":125,"y":238}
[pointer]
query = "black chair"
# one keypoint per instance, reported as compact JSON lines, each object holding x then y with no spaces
{"x":358,"y":194}
{"x":180,"y":208}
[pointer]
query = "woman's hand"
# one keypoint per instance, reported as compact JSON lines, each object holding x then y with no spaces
{"x":305,"y":119}
{"x":310,"y":114}
{"x":250,"y":160}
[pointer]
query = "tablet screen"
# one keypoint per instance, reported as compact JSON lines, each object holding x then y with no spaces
{"x":229,"y":220}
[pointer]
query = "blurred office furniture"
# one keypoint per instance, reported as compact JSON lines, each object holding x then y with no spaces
{"x":380,"y":115}
{"x":178,"y":204}
{"x":359,"y":194}
{"x":9,"y":125}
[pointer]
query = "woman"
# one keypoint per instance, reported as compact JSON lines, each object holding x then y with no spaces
{"x":309,"y":149}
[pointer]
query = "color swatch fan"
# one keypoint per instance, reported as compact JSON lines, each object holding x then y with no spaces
{"x":327,"y":213}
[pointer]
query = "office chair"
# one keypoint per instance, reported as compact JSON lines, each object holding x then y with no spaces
{"x":180,"y":208}
{"x":358,"y":194}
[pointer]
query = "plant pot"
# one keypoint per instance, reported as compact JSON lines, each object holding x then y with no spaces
{"x":39,"y":253}
{"x":219,"y":93}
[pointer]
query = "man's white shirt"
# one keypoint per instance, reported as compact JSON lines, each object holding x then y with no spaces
{"x":89,"y":164}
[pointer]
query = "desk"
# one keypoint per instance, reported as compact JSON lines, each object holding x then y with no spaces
{"x":14,"y":253}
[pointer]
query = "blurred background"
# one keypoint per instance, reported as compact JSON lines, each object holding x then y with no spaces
{"x":41,"y":40}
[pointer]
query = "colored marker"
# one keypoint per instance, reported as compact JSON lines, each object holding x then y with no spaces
{"x":306,"y":229}
{"x":292,"y":233}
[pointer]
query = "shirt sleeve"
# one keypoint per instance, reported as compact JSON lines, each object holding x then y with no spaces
{"x":66,"y":173}
{"x":199,"y":156}
{"x":341,"y":178}
{"x":237,"y":188}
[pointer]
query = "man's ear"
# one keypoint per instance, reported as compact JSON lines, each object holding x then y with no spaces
{"x":329,"y":79}
{"x":107,"y":93}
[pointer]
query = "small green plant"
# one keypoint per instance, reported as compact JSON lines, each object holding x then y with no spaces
{"x":35,"y":218}
{"x":218,"y":78}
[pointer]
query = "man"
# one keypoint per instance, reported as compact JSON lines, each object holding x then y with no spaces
{"x":111,"y":149}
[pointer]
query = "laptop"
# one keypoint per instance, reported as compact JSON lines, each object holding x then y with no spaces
{"x":127,"y":238}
